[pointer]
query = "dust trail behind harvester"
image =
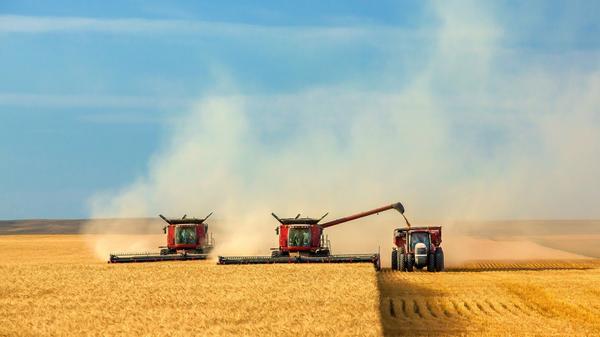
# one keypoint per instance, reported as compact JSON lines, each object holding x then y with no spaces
{"x":123,"y":235}
{"x":518,"y":145}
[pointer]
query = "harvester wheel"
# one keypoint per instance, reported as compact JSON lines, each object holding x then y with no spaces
{"x":402,"y":262}
{"x":410,"y":262}
{"x":164,"y":251}
{"x":431,"y":263}
{"x":394,"y":259}
{"x":439,"y":259}
{"x":324,"y":252}
{"x":275,"y":253}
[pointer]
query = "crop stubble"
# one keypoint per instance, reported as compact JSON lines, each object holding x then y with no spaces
{"x":492,"y":303}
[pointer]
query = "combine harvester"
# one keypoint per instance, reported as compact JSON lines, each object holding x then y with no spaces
{"x":187,"y":239}
{"x":301,"y":240}
{"x":417,"y":247}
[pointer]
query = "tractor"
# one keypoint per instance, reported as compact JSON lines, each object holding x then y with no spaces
{"x":417,"y":248}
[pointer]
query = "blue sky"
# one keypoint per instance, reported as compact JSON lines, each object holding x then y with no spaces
{"x":90,"y":93}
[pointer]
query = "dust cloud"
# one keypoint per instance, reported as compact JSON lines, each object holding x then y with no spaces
{"x":460,"y":140}
{"x":122,"y":235}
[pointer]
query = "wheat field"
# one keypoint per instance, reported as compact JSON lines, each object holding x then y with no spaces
{"x":52,"y":285}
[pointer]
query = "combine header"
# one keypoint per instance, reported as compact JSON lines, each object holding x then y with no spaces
{"x":187,"y":239}
{"x":301,"y":240}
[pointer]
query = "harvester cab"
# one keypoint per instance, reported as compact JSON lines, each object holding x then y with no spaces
{"x":300,"y":236}
{"x":301,"y":240}
{"x":417,"y":247}
{"x":187,"y":239}
{"x":187,"y":234}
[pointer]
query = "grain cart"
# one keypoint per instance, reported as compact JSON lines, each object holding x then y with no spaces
{"x":301,"y":240}
{"x":187,"y":239}
{"x":417,"y":247}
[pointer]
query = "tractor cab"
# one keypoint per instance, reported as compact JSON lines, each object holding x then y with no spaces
{"x":410,"y":238}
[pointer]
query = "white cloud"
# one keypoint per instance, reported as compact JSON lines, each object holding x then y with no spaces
{"x":89,"y":101}
{"x":48,"y":24}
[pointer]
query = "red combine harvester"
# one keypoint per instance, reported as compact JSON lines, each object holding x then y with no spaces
{"x":301,"y":240}
{"x":417,"y":247}
{"x":187,"y":239}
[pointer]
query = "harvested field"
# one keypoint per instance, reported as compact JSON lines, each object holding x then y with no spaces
{"x":517,"y":265}
{"x":504,"y":303}
{"x":53,"y":285}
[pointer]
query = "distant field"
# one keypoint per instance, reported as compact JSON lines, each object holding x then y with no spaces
{"x":585,"y":244}
{"x":71,"y":226}
{"x":53,"y":285}
{"x":574,"y":236}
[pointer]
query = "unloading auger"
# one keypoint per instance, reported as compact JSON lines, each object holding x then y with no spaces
{"x":301,"y":240}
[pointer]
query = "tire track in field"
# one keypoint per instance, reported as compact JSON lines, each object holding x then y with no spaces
{"x":465,"y":303}
{"x":430,"y":310}
{"x":409,"y":309}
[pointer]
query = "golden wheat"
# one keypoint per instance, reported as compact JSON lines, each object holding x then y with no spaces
{"x":85,"y":297}
{"x":52,"y":285}
{"x":516,"y":265}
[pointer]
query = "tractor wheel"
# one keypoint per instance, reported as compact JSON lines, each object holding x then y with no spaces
{"x":402,"y":262}
{"x":164,"y":251}
{"x":439,"y":259}
{"x":394,"y":259}
{"x":410,"y":262}
{"x":275,"y":253}
{"x":431,"y":263}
